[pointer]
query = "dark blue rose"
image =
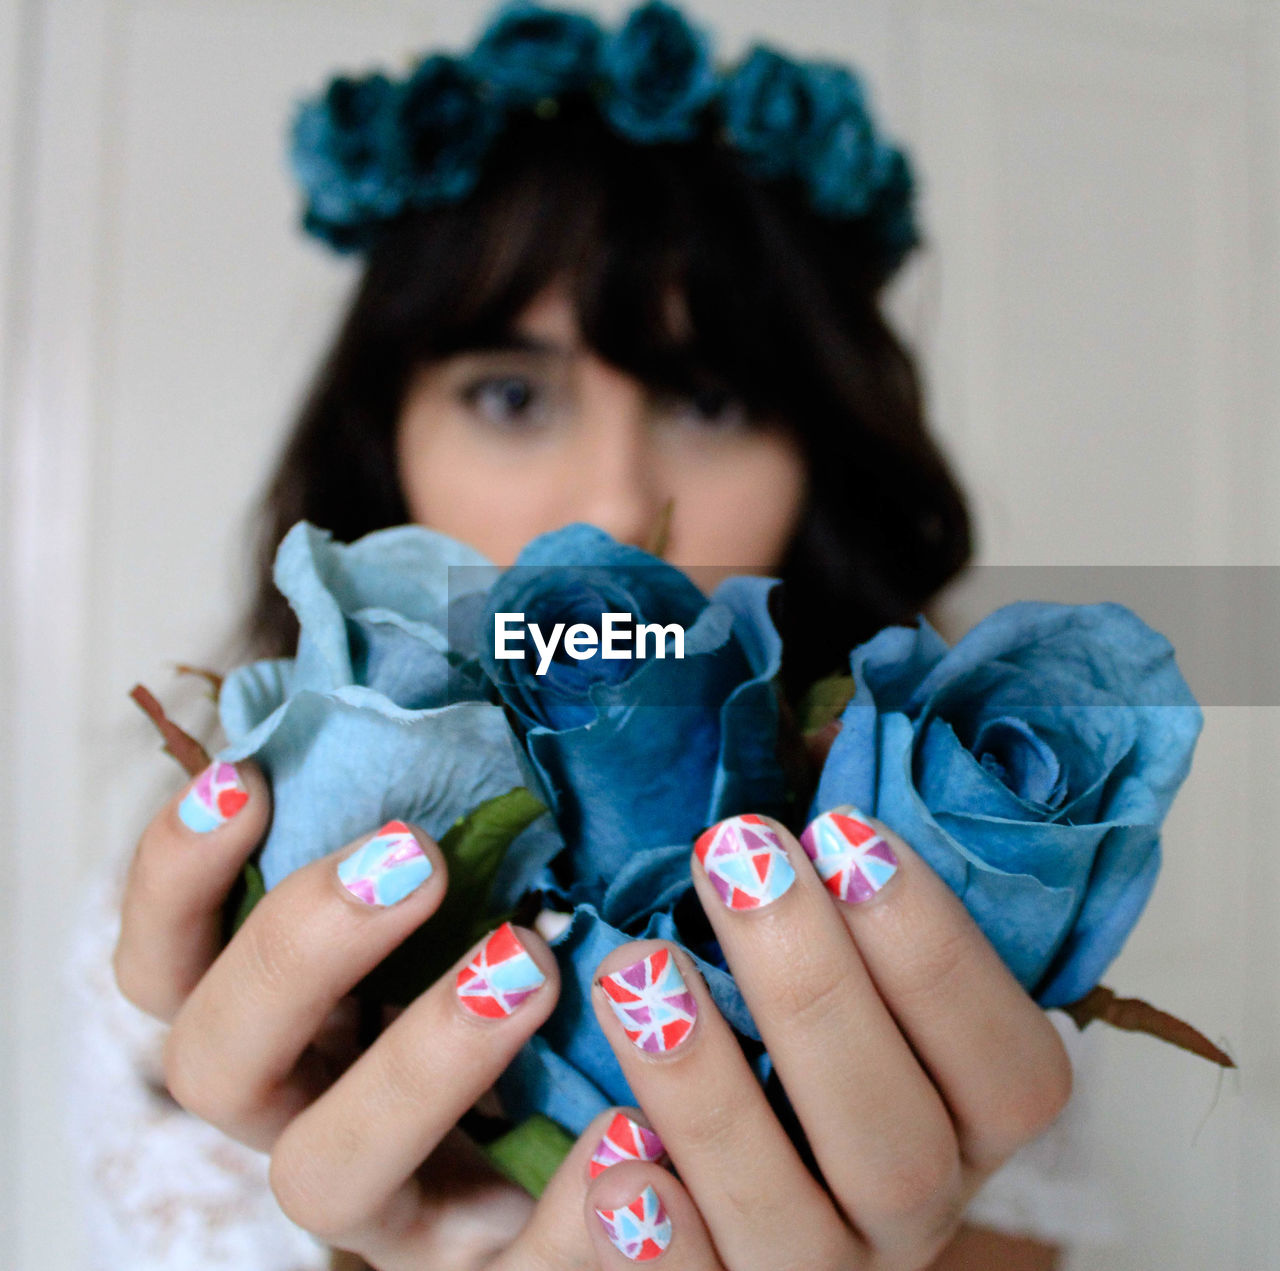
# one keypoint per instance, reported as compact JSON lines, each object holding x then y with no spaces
{"x":1031,"y":765}
{"x":776,"y":111}
{"x":341,"y":148}
{"x":529,"y":53}
{"x":892,"y":209}
{"x":635,"y":759}
{"x":444,"y":125}
{"x":839,"y":160}
{"x":640,"y":754}
{"x":658,"y":75}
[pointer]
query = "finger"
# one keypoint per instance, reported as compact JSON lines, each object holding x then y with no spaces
{"x":879,"y":1130}
{"x":993,"y":1053}
{"x":639,"y":1213}
{"x":689,"y":1074}
{"x":240,"y":1052}
{"x":345,"y":1167}
{"x":185,"y":865}
{"x":555,"y":1237}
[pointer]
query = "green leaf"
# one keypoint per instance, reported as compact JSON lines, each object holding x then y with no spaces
{"x":531,"y":1153}
{"x":824,"y":701}
{"x":248,"y":890}
{"x":474,"y":848}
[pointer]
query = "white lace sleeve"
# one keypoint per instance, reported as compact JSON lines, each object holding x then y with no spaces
{"x":1050,"y":1190}
{"x":162,"y":1190}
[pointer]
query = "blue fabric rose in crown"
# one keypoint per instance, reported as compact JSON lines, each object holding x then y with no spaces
{"x":1032,"y":766}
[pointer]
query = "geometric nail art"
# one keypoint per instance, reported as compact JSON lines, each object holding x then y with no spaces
{"x":500,"y":975}
{"x":852,"y":858}
{"x":640,"y":1230}
{"x":745,"y":861}
{"x":652,"y":1001}
{"x":625,"y":1140}
{"x":216,"y":797}
{"x":387,"y":868}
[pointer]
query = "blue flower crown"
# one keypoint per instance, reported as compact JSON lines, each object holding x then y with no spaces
{"x":367,"y":150}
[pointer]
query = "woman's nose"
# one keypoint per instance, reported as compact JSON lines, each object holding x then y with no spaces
{"x":620,"y":485}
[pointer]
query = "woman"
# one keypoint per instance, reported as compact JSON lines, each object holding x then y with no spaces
{"x":600,"y":320}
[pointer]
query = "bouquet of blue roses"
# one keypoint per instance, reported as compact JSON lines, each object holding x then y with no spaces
{"x":1031,"y":765}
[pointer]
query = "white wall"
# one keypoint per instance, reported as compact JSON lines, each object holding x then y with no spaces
{"x":1098,"y":316}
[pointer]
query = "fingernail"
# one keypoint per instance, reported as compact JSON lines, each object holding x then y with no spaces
{"x":386,"y":868}
{"x":218,"y":794}
{"x":745,"y":861}
{"x":652,"y":1001}
{"x":849,"y":853}
{"x":625,"y":1140}
{"x":500,"y":975}
{"x":641,"y":1230}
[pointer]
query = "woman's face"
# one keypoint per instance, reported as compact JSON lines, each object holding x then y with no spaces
{"x":498,"y":445}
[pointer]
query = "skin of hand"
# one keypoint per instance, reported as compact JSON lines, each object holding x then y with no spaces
{"x":914,"y":1061}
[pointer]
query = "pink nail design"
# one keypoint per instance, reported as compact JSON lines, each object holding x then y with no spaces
{"x":745,"y":861}
{"x":652,"y":1001}
{"x":499,"y":976}
{"x":852,"y":858}
{"x":640,"y":1230}
{"x":386,"y":868}
{"x":218,"y":794}
{"x":625,"y":1140}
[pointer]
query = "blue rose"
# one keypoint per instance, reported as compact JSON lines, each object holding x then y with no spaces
{"x":892,"y":209}
{"x":635,"y":758}
{"x":658,"y":75}
{"x":444,"y":125}
{"x":840,"y":157}
{"x":340,"y":152}
{"x":1031,"y":765}
{"x":378,"y":717}
{"x":529,"y":53}
{"x":776,"y":111}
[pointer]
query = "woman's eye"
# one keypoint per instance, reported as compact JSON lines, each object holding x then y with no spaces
{"x":504,"y":399}
{"x":716,"y":408}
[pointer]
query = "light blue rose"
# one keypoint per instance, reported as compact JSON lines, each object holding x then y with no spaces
{"x":658,"y":75}
{"x":379,"y":716}
{"x":529,"y":53}
{"x":1031,"y":766}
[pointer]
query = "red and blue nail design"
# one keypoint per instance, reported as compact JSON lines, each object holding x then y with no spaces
{"x":500,"y":975}
{"x":849,"y":853}
{"x":625,"y":1140}
{"x":652,"y":1001}
{"x":745,"y":861}
{"x":386,"y":868}
{"x":218,"y":794}
{"x":641,"y":1230}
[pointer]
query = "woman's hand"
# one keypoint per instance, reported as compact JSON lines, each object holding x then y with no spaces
{"x":363,"y":1148}
{"x":914,"y":1061}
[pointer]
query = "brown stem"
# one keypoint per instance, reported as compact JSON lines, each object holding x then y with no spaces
{"x":181,"y":745}
{"x":213,"y":679}
{"x":1137,"y":1016}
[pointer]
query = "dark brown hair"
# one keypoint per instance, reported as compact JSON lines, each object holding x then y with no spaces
{"x":783,"y":308}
